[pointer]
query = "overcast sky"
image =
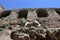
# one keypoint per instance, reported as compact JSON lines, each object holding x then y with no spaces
{"x":11,"y":4}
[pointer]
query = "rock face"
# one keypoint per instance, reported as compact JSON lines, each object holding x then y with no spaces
{"x":51,"y":15}
{"x":1,"y":8}
{"x":32,"y":15}
{"x":31,"y":24}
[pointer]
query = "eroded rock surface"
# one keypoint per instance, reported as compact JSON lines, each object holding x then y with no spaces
{"x":30,"y":24}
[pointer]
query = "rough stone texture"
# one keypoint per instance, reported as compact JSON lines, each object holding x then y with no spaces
{"x":32,"y":15}
{"x":1,"y":8}
{"x":49,"y":20}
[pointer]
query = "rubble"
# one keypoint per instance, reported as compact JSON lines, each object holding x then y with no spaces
{"x":31,"y":24}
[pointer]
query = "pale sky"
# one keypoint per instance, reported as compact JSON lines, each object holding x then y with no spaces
{"x":12,"y":4}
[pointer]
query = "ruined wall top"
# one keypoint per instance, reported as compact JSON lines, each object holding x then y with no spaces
{"x":33,"y":13}
{"x":1,"y":7}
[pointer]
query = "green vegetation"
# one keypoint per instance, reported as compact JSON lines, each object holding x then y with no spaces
{"x":6,"y":24}
{"x":1,"y":29}
{"x":2,"y":26}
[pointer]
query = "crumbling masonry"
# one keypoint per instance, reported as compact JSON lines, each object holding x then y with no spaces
{"x":49,"y":18}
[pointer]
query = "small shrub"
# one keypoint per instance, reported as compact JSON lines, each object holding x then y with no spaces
{"x":1,"y":29}
{"x":2,"y":26}
{"x":6,"y":24}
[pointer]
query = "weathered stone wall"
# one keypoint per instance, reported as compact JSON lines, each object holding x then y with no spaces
{"x":31,"y":14}
{"x":31,"y":23}
{"x":40,"y":12}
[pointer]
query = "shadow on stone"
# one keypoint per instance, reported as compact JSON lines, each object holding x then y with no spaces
{"x":42,"y":13}
{"x":23,"y":13}
{"x":58,"y":11}
{"x":5,"y":13}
